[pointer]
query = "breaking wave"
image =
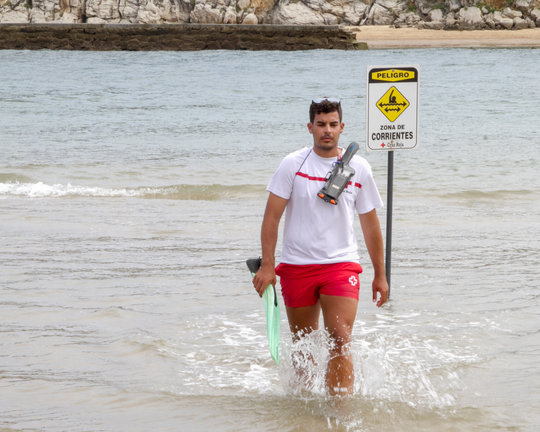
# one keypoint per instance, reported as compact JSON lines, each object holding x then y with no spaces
{"x":475,"y":194}
{"x":211,"y":192}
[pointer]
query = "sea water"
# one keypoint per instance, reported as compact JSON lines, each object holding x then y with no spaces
{"x":132,"y":189}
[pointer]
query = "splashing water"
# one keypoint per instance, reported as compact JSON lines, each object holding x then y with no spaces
{"x":397,"y":373}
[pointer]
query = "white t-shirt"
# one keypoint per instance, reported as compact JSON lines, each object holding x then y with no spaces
{"x":315,"y":231}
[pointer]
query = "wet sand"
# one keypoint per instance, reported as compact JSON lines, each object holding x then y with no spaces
{"x":384,"y":37}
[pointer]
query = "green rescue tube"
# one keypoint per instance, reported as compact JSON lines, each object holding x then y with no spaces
{"x":272,"y":311}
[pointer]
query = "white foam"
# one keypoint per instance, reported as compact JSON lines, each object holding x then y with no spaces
{"x":42,"y":190}
{"x":178,"y":191}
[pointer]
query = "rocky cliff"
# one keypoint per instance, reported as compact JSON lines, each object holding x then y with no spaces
{"x":432,"y":14}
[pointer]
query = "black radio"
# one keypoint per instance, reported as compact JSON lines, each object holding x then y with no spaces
{"x":338,"y":179}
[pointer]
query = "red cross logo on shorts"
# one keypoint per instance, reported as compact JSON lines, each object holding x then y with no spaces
{"x":353,"y":281}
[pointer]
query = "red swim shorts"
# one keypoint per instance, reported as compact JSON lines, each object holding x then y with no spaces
{"x":301,"y":285}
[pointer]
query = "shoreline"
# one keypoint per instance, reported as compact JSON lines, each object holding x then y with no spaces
{"x":196,"y":37}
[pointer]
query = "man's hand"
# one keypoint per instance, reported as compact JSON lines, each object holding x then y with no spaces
{"x":380,"y":286}
{"x":264,"y":277}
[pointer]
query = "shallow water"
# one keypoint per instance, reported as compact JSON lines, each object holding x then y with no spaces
{"x":132,"y":187}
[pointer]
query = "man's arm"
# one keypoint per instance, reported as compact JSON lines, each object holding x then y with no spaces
{"x":374,"y":243}
{"x":266,"y":275}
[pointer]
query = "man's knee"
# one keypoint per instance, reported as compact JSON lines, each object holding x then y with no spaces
{"x":340,"y":342}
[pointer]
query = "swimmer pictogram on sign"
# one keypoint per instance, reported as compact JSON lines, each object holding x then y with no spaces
{"x":392,"y":104}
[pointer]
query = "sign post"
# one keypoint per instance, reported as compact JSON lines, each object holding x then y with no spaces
{"x":392,"y":124}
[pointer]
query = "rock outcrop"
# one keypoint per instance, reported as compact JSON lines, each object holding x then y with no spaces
{"x":176,"y":37}
{"x":431,"y":14}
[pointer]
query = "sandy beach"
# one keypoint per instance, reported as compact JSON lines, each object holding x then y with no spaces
{"x":384,"y":37}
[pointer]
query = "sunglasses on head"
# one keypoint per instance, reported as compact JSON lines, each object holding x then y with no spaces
{"x":321,"y":100}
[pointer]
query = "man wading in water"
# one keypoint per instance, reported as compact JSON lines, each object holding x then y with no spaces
{"x":319,"y":267}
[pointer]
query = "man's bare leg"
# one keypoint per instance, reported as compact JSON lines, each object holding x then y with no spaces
{"x":339,"y":314}
{"x":302,"y":321}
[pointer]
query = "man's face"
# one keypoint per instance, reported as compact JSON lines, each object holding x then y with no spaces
{"x":326,"y":129}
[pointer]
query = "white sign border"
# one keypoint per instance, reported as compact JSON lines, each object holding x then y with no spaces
{"x":374,"y":107}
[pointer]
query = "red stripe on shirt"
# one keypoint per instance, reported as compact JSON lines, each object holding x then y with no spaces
{"x":301,"y":174}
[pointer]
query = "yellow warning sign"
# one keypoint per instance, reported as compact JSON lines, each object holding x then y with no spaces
{"x":393,"y":75}
{"x":392,"y":104}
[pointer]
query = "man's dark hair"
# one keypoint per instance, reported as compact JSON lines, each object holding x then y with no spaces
{"x":325,"y":106}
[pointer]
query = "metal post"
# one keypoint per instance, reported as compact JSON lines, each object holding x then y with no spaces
{"x":389,"y":193}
